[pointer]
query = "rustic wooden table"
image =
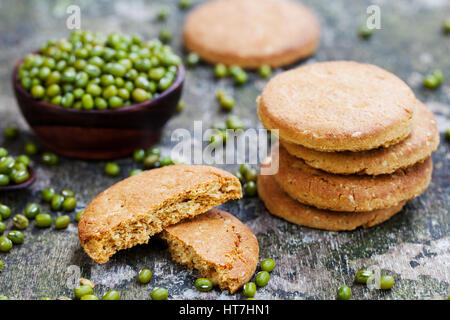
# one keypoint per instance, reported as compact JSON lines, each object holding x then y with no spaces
{"x":414,"y":246}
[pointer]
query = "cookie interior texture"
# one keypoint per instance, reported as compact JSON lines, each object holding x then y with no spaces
{"x":280,"y":204}
{"x":423,"y":140}
{"x":217,"y":244}
{"x":251,"y":33}
{"x":338,"y":106}
{"x":350,"y":193}
{"x":131,"y":211}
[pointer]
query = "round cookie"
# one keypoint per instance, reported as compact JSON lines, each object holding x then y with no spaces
{"x":338,"y":106}
{"x":131,"y":211}
{"x":280,"y":204}
{"x":350,"y":193}
{"x":216,"y":243}
{"x":251,"y":33}
{"x":423,"y":140}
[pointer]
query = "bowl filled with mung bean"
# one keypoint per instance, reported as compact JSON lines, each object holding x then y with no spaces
{"x":15,"y":172}
{"x":92,"y":96}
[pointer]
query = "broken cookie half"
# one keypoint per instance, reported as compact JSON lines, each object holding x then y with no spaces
{"x":217,"y":244}
{"x":133,"y":210}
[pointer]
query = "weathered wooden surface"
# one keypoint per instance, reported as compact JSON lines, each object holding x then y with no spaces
{"x":414,"y":245}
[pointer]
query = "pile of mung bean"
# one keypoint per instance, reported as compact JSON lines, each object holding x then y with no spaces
{"x":92,"y":71}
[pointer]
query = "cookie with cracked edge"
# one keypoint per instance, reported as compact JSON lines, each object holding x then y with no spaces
{"x":134,"y":209}
{"x":251,"y":33}
{"x":423,"y":140}
{"x":217,"y":244}
{"x":350,"y":193}
{"x":338,"y":106}
{"x":281,"y":205}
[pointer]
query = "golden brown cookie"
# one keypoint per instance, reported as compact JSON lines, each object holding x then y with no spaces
{"x":280,"y":204}
{"x":350,"y":192}
{"x":423,"y":140}
{"x":338,"y":106}
{"x":217,"y":244}
{"x":251,"y":33}
{"x":134,"y":209}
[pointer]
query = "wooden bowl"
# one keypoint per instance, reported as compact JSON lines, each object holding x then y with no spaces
{"x":98,"y":134}
{"x":22,"y":185}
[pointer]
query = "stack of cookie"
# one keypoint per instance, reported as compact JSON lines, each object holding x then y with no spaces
{"x":355,"y":145}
